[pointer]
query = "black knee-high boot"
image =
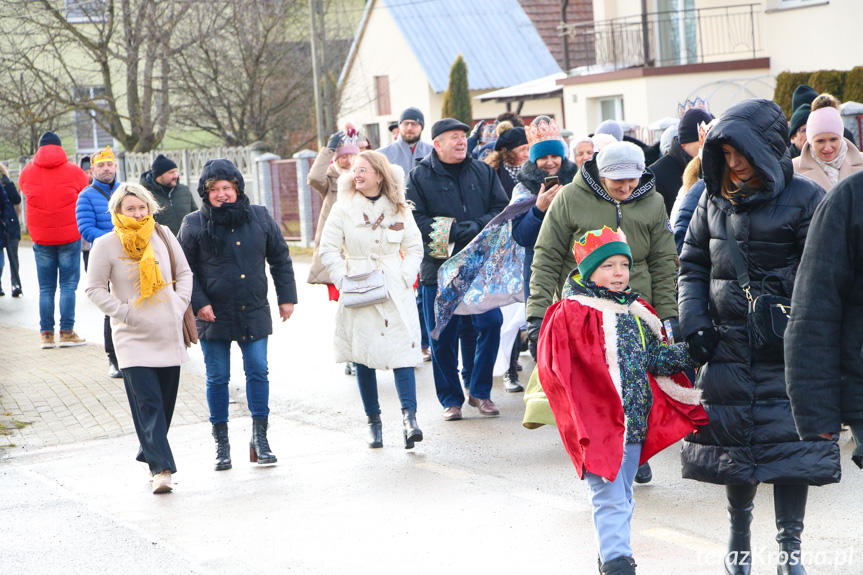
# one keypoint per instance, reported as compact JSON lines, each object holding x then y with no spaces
{"x":789,"y":502}
{"x":738,"y":560}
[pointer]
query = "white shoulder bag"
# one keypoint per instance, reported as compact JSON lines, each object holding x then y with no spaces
{"x":369,"y":288}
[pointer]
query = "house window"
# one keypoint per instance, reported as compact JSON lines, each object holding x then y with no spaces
{"x":783,"y":4}
{"x":373,"y":133}
{"x":382,"y":92}
{"x":611,"y":109}
{"x":81,"y":11}
{"x":90,"y":136}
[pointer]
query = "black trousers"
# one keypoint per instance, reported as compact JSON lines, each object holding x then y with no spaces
{"x":106,"y":329}
{"x":152,"y":393}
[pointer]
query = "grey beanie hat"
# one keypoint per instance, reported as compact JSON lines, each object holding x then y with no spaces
{"x":612,"y":128}
{"x":667,"y":137}
{"x":620,"y":161}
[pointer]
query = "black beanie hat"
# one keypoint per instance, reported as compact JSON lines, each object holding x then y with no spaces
{"x":49,"y":139}
{"x":799,"y":119}
{"x":413,"y":114}
{"x":85,"y":163}
{"x":803,"y":94}
{"x":687,"y":129}
{"x":511,"y":139}
{"x":220,"y":169}
{"x":161,"y":165}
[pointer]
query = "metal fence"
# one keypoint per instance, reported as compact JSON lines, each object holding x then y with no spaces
{"x":669,"y":38}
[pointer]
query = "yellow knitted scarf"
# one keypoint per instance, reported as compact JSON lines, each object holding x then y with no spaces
{"x":135,"y":236}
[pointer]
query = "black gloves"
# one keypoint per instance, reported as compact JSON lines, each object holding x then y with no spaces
{"x":334,"y":140}
{"x":477,"y":129}
{"x":534,"y":324}
{"x":702,"y":345}
{"x":463,"y":232}
{"x":672,"y":334}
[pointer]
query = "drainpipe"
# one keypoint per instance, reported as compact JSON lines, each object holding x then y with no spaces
{"x":564,"y":4}
{"x":645,"y":38}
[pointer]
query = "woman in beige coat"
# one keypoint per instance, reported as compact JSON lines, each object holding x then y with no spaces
{"x":146,"y":303}
{"x":374,"y":227}
{"x":332,"y":161}
{"x":827,"y":157}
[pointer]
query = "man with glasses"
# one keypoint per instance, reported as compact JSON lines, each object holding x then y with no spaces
{"x":408,"y":149}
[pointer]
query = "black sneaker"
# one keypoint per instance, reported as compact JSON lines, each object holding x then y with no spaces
{"x":644,"y":474}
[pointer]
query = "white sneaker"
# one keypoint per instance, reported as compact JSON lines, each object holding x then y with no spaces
{"x":162,"y":482}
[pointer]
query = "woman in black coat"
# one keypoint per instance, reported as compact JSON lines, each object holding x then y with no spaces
{"x":228,"y":243}
{"x":751,"y":437}
{"x":10,"y":198}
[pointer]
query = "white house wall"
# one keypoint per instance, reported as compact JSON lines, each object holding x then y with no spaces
{"x":408,"y":83}
{"x":648,"y":99}
{"x":793,"y":47}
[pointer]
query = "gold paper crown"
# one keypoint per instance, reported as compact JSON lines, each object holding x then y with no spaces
{"x":688,"y":104}
{"x":704,"y":129}
{"x":439,"y":244}
{"x":105,"y":155}
{"x":594,"y":239}
{"x":544,"y":129}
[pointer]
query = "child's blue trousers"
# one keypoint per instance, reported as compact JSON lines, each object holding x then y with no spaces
{"x":613,"y":506}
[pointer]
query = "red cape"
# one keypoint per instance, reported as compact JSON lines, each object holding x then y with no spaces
{"x":574,"y":373}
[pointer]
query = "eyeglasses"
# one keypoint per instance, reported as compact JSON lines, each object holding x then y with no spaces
{"x":362,"y":171}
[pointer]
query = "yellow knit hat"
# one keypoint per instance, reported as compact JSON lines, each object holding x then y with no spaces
{"x":105,"y":155}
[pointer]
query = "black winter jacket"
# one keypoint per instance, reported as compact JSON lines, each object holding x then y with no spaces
{"x":751,"y":437}
{"x":235,"y":283}
{"x":669,"y":173}
{"x":823,"y":342}
{"x":176,"y":204}
{"x":10,"y":217}
{"x":473,"y":201}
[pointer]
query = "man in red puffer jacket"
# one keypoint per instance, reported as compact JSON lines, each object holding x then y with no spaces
{"x":51,"y":184}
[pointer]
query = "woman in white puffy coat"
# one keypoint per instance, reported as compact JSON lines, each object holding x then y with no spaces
{"x":371,"y":225}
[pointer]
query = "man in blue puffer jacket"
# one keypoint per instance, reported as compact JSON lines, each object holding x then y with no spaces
{"x":94,"y":220}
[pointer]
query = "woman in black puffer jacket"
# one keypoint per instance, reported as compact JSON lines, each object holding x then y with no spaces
{"x":228,"y":243}
{"x":751,"y":437}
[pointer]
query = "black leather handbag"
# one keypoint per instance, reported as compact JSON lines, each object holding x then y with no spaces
{"x":768,"y":314}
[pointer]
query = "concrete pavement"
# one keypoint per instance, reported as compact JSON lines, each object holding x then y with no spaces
{"x":477,"y":496}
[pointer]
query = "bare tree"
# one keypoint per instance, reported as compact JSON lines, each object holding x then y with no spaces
{"x":248,"y":80}
{"x":25,"y":113}
{"x":109,"y":58}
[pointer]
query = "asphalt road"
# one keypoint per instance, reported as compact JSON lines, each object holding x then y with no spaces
{"x":477,"y":496}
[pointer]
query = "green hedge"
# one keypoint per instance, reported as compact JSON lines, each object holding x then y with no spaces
{"x":854,"y":85}
{"x":829,"y":82}
{"x":786,"y":82}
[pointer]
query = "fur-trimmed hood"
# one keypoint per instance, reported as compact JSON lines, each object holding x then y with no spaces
{"x":532,"y":177}
{"x":356,"y":205}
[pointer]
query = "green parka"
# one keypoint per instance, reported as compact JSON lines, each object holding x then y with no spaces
{"x":584,"y":205}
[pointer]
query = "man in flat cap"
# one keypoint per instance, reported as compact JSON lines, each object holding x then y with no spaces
{"x":174,"y":198}
{"x":454,"y":197}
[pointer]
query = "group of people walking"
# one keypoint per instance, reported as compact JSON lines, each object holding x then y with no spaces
{"x":584,"y":239}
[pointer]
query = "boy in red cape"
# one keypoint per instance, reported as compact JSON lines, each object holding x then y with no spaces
{"x":614,"y":385}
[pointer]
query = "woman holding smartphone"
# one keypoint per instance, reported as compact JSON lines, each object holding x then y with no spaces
{"x":543,"y":175}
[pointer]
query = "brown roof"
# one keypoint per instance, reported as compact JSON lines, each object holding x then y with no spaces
{"x":545,"y":15}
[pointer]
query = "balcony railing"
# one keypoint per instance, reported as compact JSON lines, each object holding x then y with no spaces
{"x":672,"y":38}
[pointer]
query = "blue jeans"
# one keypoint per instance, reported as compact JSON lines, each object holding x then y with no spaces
{"x":51,"y":261}
{"x":217,"y":360}
{"x":424,"y":332}
{"x":406,"y":386}
{"x":445,"y":352}
{"x":613,"y":506}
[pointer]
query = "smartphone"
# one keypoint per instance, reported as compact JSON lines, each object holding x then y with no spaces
{"x":551,"y":181}
{"x":669,"y":332}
